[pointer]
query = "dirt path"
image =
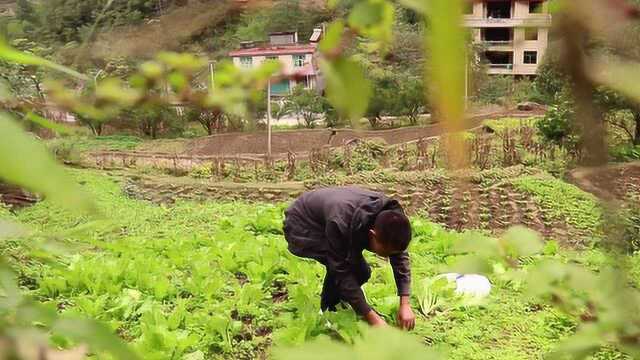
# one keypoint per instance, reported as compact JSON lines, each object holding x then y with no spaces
{"x":611,"y":182}
{"x":304,"y":140}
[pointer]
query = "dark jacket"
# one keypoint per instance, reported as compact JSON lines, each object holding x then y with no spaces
{"x":331,"y":225}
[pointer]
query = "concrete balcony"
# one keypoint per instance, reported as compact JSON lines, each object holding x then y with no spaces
{"x":530,"y":21}
{"x":501,"y":69}
{"x":506,"y":45}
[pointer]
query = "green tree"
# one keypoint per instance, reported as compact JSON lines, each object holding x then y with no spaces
{"x":556,"y":126}
{"x":26,"y":12}
{"x":614,"y":102}
{"x":280,"y":109}
{"x":385,"y":98}
{"x":306,"y":103}
{"x":211,"y":120}
{"x":151,"y":120}
{"x":411,"y":100}
{"x":551,"y":79}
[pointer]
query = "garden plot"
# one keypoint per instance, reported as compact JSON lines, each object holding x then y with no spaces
{"x":214,"y":280}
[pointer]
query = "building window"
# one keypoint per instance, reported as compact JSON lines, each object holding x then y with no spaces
{"x":499,"y":9}
{"x":272,"y":58}
{"x":298,"y":60}
{"x":497,"y":35}
{"x":535,"y":7}
{"x":246,"y":62}
{"x":531,"y":34}
{"x":531,"y":57}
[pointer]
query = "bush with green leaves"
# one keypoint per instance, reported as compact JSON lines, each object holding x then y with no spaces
{"x":306,"y":103}
{"x":556,"y":126}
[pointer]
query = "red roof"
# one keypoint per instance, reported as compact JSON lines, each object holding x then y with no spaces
{"x":275,"y":50}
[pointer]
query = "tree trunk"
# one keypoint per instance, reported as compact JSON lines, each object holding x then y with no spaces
{"x":93,"y":130}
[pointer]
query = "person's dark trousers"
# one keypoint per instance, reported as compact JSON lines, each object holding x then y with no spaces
{"x":330,"y":296}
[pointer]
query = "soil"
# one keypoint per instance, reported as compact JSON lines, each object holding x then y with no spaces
{"x":304,"y":140}
{"x":15,"y":197}
{"x":457,"y":204}
{"x":612,"y":182}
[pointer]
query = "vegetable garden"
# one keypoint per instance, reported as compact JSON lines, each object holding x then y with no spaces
{"x":91,"y":272}
{"x":215,"y":280}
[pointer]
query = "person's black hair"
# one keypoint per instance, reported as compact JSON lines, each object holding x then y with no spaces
{"x":393,"y":229}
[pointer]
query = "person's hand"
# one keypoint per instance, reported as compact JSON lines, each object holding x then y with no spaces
{"x":374,"y":319}
{"x":406,"y":318}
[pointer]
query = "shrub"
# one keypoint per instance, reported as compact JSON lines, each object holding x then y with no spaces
{"x":366,"y":154}
{"x":556,"y":127}
{"x":625,"y":153}
{"x":201,"y":172}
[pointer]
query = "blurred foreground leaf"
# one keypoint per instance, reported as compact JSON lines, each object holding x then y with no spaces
{"x":48,"y":124}
{"x":97,"y":335}
{"x":347,"y":88}
{"x":620,"y":76}
{"x":376,"y":344}
{"x":446,"y":40}
{"x":25,"y":162}
{"x":12,"y":55}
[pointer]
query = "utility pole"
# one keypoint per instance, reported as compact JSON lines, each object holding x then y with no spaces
{"x":212,"y":69}
{"x":466,"y":81}
{"x":269,"y":119}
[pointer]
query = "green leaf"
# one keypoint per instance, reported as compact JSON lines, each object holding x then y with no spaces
{"x":586,"y":341}
{"x":348,"y":89}
{"x":472,"y":264}
{"x":96,"y":335}
{"x":620,"y":76}
{"x":523,"y":241}
{"x":333,"y":37}
{"x":447,"y":44}
{"x":376,"y":344}
{"x":12,"y":55}
{"x":9,"y":229}
{"x":35,"y":169}
{"x":113,"y":90}
{"x":48,"y":124}
{"x":374,"y":19}
{"x":197,"y":355}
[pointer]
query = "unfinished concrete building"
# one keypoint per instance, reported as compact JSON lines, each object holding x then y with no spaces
{"x":514,"y":33}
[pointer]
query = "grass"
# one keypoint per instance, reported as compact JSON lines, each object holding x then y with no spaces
{"x":215,"y":280}
{"x":97,"y":143}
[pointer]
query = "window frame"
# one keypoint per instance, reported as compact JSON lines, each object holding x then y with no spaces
{"x":535,"y":57}
{"x":246,"y":62}
{"x":299,"y":60}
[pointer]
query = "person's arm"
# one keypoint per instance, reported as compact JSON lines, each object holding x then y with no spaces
{"x":401,"y":266}
{"x":346,"y":281}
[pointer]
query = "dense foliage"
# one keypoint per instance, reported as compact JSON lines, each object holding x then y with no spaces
{"x":201,"y":281}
